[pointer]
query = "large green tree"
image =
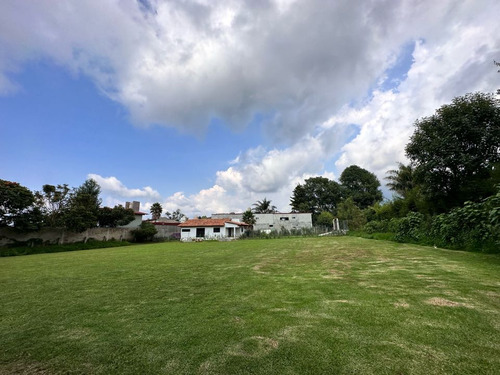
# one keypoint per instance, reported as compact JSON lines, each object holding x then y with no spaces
{"x":264,"y":207}
{"x":116,"y":216}
{"x":248,"y":217}
{"x":83,"y":207}
{"x":317,"y":194}
{"x":361,"y":185}
{"x":16,"y":207}
{"x":401,"y":180}
{"x":456,"y":151}
{"x":156,"y":210}
{"x":53,"y":202}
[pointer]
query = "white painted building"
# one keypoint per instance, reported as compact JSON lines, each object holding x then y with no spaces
{"x":203,"y":229}
{"x":274,"y":221}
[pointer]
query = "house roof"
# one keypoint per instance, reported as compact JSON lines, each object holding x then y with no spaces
{"x":210,"y":223}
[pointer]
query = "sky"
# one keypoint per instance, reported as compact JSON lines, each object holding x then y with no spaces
{"x":209,"y":106}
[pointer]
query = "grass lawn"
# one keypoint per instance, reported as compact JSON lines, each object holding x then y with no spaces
{"x":339,"y":305}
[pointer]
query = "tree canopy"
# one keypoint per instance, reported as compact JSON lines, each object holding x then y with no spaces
{"x":248,"y":217}
{"x":264,"y":207}
{"x":156,"y":210}
{"x":361,"y":185}
{"x":317,"y":194}
{"x":83,"y":208}
{"x":456,"y":151}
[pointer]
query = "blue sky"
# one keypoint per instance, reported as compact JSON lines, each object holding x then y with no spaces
{"x":208,"y":106}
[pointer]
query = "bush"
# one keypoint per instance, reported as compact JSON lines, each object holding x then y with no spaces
{"x":145,"y":232}
{"x":410,"y":228}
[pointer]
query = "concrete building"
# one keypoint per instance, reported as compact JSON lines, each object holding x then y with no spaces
{"x":275,"y":221}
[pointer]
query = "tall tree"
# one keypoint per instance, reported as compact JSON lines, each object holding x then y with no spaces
{"x":401,"y":180}
{"x":16,"y":207}
{"x":175,"y":215}
{"x":53,"y":201}
{"x":456,"y":151}
{"x":248,"y":217}
{"x":116,"y":216}
{"x":361,"y":185}
{"x":156,"y":210}
{"x":264,"y":207}
{"x":83,"y":210}
{"x":317,"y":194}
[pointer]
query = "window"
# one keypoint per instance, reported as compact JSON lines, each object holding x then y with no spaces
{"x":186,"y":230}
{"x":270,"y":225}
{"x":284,"y":218}
{"x":216,"y":230}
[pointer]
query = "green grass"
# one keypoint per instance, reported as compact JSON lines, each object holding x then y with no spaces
{"x":9,"y":251}
{"x":336,"y":305}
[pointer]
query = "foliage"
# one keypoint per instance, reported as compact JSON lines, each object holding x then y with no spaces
{"x":53,"y":202}
{"x":264,"y":207}
{"x":114,"y":217}
{"x":353,"y":214}
{"x":455,"y":151}
{"x":145,"y":232}
{"x":16,"y":207}
{"x":156,"y":210}
{"x":401,"y":180}
{"x":409,"y":228}
{"x":248,"y":217}
{"x":83,"y":207}
{"x":325,"y":219}
{"x":317,"y":194}
{"x":360,"y":185}
{"x":176,"y":215}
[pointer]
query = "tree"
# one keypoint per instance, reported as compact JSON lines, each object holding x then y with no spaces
{"x":401,"y":180}
{"x":53,"y":202}
{"x":456,"y":151}
{"x":145,"y":232}
{"x":116,"y":216}
{"x":352,"y":213}
{"x":361,"y":185}
{"x":16,"y":207}
{"x":325,"y":219}
{"x":156,"y":210}
{"x":317,"y":194}
{"x":248,"y":217}
{"x":264,"y":207}
{"x":83,"y":207}
{"x":176,"y":215}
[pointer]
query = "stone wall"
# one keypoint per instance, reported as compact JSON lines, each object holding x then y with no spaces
{"x":61,"y":236}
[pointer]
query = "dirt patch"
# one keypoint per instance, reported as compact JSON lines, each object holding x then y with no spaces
{"x":254,"y":347}
{"x":22,"y":368}
{"x":437,"y":301}
{"x":402,"y":304}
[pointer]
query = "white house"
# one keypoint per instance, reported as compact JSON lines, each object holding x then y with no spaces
{"x":200,"y":229}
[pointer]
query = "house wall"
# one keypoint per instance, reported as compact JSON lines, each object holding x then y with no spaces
{"x":210,"y":234}
{"x":275,"y":221}
{"x":134,"y":223}
{"x":166,"y":231}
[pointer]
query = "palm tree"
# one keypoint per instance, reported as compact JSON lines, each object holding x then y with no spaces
{"x":264,"y":207}
{"x":401,"y":180}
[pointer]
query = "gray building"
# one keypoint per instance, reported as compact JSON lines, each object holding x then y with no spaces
{"x":276,"y":221}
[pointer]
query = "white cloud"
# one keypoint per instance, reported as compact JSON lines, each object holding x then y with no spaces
{"x":114,"y":187}
{"x":181,"y":63}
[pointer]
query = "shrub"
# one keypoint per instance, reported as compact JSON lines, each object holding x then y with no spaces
{"x":410,"y":228}
{"x":145,"y":232}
